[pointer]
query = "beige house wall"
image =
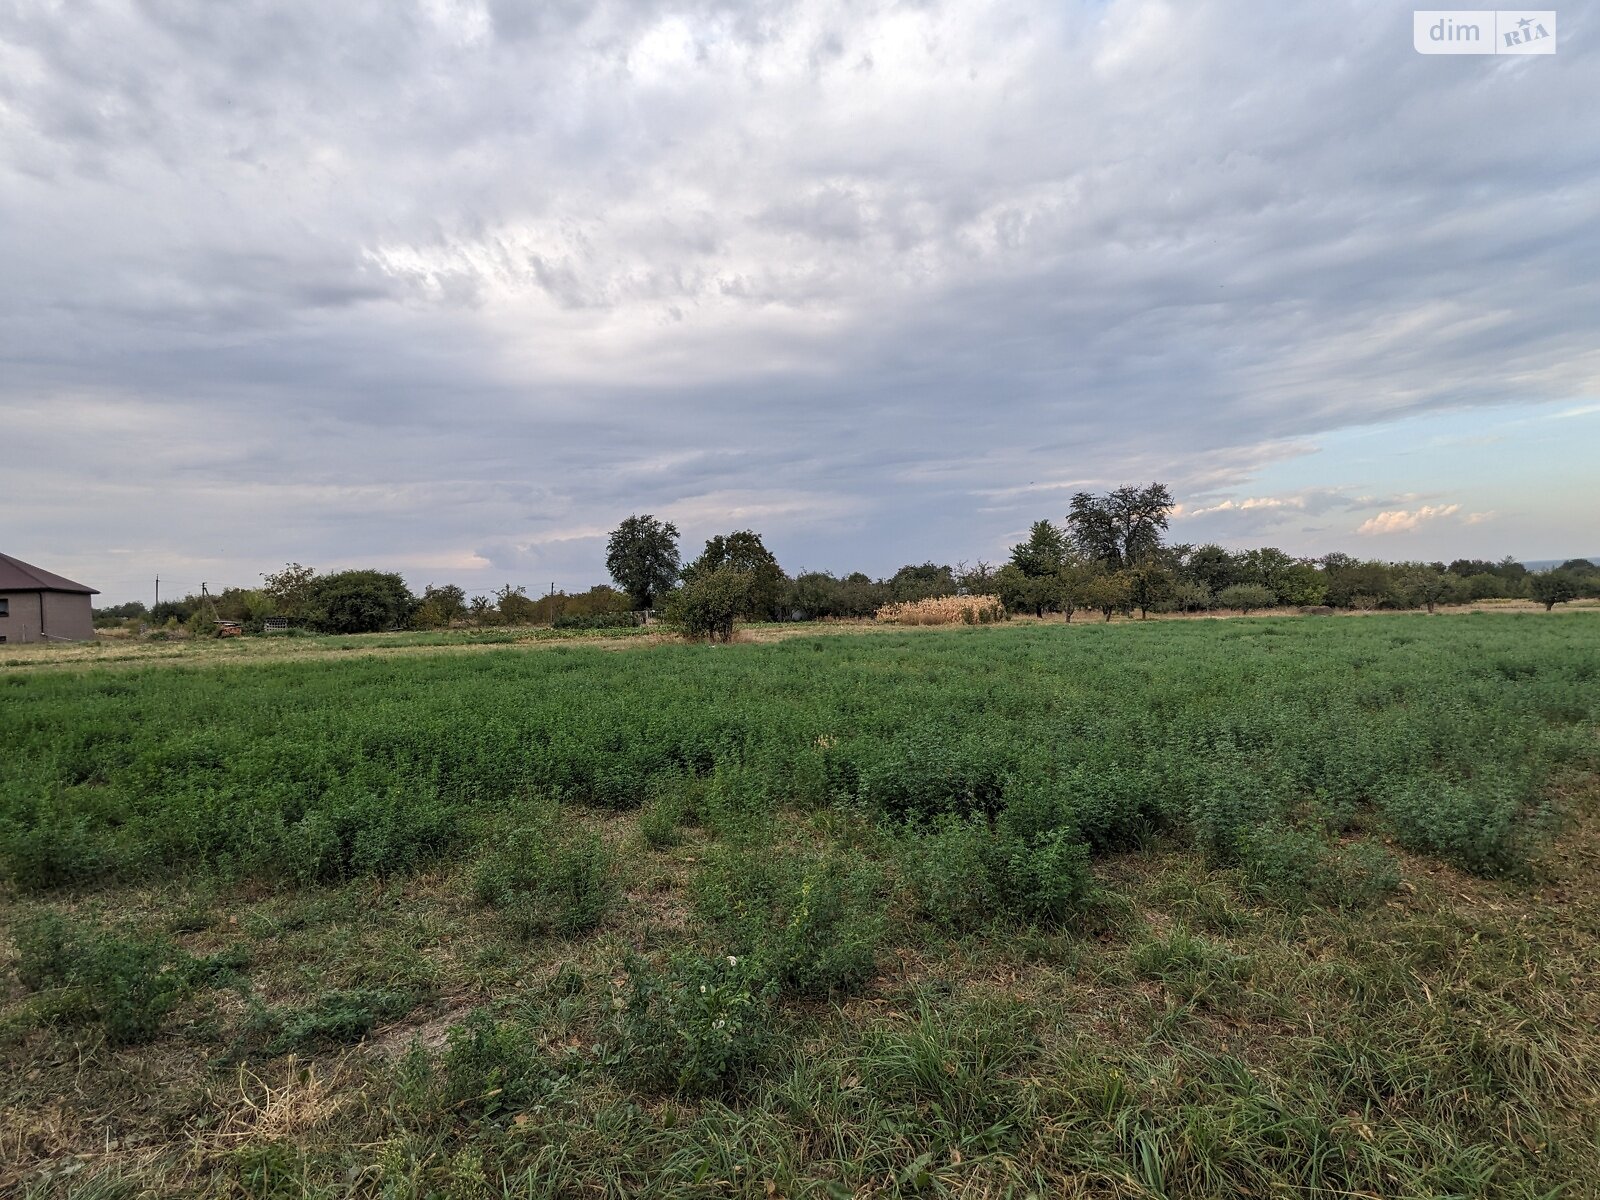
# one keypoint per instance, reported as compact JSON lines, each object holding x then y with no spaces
{"x":69,"y":615}
{"x":32,"y":615}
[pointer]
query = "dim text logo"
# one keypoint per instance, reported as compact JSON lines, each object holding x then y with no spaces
{"x":1470,"y":31}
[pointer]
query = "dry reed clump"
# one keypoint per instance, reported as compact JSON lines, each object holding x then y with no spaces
{"x":944,"y":610}
{"x":308,"y":1099}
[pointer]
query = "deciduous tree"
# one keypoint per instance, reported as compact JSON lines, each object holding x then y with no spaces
{"x":1074,"y":586}
{"x":1426,"y":585}
{"x":290,"y":589}
{"x":1021,"y":592}
{"x":1149,"y":584}
{"x":642,"y":557}
{"x":1107,"y":591}
{"x":360,"y":602}
{"x":922,"y":582}
{"x":441,"y":606}
{"x":1351,"y":583}
{"x":1551,"y":588}
{"x":1292,"y":580}
{"x":1043,"y":553}
{"x":707,"y":605}
{"x":1121,"y":527}
{"x":513,"y":605}
{"x":1191,"y":596}
{"x":1210,"y":566}
{"x":1247,"y":597}
{"x":743,"y":551}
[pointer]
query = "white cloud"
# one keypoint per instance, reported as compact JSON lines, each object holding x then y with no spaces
{"x":1249,"y":504}
{"x":1402,"y":521}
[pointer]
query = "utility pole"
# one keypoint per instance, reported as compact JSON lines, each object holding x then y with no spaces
{"x":158,"y":593}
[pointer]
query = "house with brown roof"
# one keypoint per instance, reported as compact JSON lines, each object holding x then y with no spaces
{"x":39,"y":606}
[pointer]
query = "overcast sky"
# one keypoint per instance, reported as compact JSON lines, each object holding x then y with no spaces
{"x":451,"y":288}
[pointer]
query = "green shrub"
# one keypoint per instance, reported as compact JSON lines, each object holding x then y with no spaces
{"x":697,"y":1025}
{"x":659,"y":820}
{"x":967,"y":873}
{"x":127,"y":982}
{"x":50,"y":949}
{"x":546,"y":882}
{"x":1296,"y":866}
{"x":1479,"y":825}
{"x":620,"y":620}
{"x":356,"y":831}
{"x":705,"y":607}
{"x":1044,"y":880}
{"x":489,"y":1067}
{"x":1228,"y":807}
{"x":812,"y":922}
{"x":133,"y":983}
{"x":1115,"y":805}
{"x":55,"y":851}
{"x":734,"y":809}
{"x":946,"y":871}
{"x":334,"y":1018}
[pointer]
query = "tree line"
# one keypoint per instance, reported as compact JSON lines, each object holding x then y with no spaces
{"x":1109,"y":554}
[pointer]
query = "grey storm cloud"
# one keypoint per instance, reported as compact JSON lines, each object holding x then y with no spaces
{"x":453,"y":286}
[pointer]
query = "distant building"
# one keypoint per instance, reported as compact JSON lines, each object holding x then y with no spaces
{"x":38,"y":606}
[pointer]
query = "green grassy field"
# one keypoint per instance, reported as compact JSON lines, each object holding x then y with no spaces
{"x":1200,"y":908}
